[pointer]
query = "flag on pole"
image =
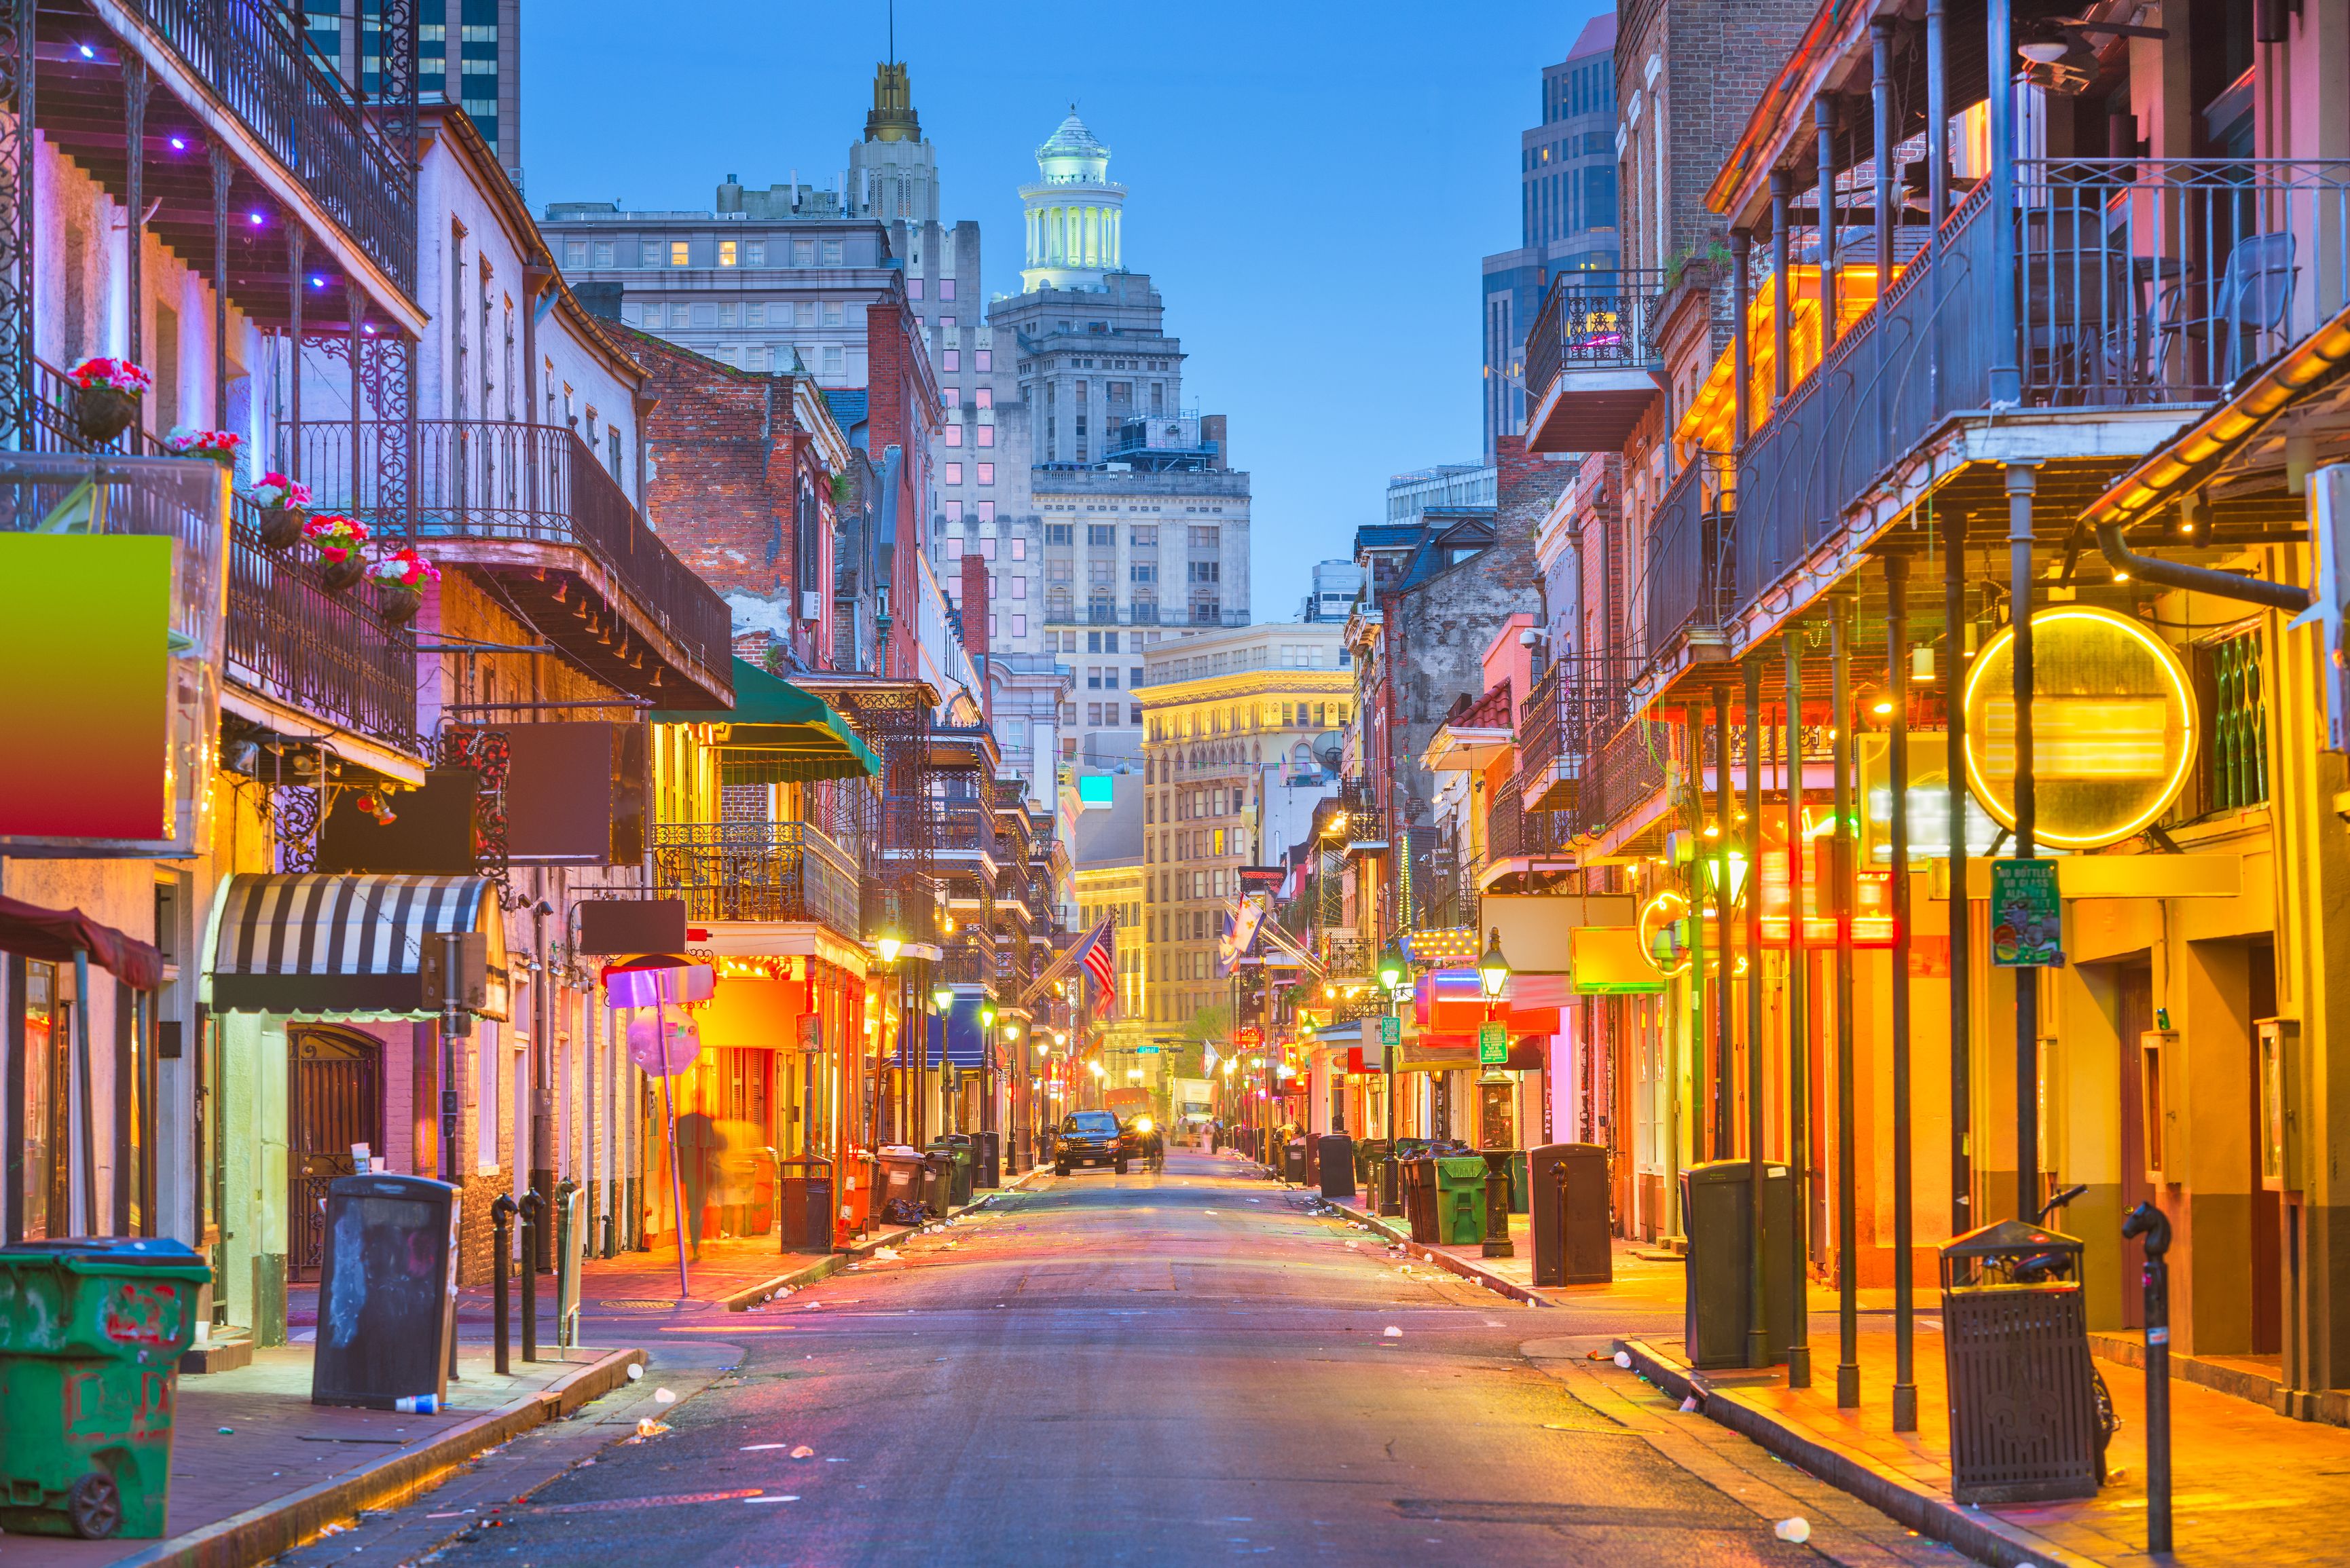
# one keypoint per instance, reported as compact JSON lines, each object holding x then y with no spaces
{"x":1099,"y":956}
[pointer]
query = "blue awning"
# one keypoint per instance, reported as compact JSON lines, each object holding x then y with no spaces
{"x":960,"y":1034}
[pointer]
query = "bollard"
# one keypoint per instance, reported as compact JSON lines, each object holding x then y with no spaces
{"x":1391,"y":1184}
{"x":2151,"y":1222}
{"x":533,"y":1211}
{"x":1497,"y":1206}
{"x":502,"y":1213}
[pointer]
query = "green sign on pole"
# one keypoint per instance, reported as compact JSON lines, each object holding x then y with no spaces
{"x":1390,"y":1032}
{"x":2026,"y":915}
{"x":1492,"y":1044}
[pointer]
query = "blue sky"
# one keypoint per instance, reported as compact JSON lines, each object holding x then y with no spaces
{"x":1311,"y":185}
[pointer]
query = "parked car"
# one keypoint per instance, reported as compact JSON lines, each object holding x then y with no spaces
{"x":1088,"y":1138}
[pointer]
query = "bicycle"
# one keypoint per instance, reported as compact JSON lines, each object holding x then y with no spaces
{"x":2052,"y":1268}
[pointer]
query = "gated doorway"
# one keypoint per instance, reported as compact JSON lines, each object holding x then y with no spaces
{"x":334,"y":1098}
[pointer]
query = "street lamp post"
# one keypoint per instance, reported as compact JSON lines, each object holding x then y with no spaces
{"x":1493,"y":979}
{"x":1391,"y":974}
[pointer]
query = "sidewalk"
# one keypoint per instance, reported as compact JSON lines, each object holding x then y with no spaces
{"x":256,"y":1468}
{"x":2249,"y":1485}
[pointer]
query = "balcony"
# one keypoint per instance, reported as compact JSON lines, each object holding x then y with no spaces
{"x":1591,"y":358}
{"x":2139,"y":286}
{"x":772,"y":871}
{"x":1691,"y":588}
{"x":531,"y":506}
{"x":321,"y":655}
{"x":1575,"y":704}
{"x":1344,"y":953}
{"x":1514,"y":833}
{"x":1624,"y":777}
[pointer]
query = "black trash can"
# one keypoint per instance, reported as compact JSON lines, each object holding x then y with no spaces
{"x":990,"y":1149}
{"x":387,"y":1306}
{"x":1292,"y":1161}
{"x":1338,"y":1164}
{"x":1720,"y":1227}
{"x":2023,"y":1413}
{"x":803,"y":1204}
{"x":1568,"y":1217}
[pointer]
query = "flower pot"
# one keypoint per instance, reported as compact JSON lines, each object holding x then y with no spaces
{"x":401,"y":603}
{"x":281,"y":527}
{"x":102,"y":413}
{"x":341,"y":577}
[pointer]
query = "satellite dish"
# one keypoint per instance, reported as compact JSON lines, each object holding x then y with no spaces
{"x":664,"y":1054}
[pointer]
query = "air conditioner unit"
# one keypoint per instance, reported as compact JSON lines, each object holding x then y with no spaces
{"x":811,"y":605}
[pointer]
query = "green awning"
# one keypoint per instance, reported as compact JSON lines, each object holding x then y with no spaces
{"x":778,"y":733}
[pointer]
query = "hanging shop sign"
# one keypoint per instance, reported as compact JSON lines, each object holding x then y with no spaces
{"x":2112,"y":727}
{"x":2026,"y":915}
{"x":1662,"y":935}
{"x":1613,"y":960}
{"x":1452,"y":945}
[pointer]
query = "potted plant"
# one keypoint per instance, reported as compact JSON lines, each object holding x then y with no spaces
{"x":106,"y":403}
{"x":338,"y":538}
{"x":402,"y":576}
{"x":282,"y":501}
{"x":221,"y":446}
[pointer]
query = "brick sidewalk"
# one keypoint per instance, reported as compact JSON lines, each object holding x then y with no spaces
{"x":2249,"y":1485}
{"x":248,"y":1439}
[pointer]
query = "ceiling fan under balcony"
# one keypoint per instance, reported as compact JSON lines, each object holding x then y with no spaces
{"x":2053,"y":40}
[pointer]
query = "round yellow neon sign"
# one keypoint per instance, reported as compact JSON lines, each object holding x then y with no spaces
{"x":2112,"y":727}
{"x":1657,"y":917}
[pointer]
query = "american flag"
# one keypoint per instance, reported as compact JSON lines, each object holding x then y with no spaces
{"x":1099,"y":956}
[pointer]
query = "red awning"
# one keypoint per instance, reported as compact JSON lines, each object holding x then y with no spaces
{"x":54,"y":936}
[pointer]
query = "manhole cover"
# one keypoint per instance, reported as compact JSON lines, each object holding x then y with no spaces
{"x":624,"y":1303}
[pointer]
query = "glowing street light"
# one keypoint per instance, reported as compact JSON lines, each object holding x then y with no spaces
{"x":944,"y":997}
{"x":1391,"y":969}
{"x":1493,"y":970}
{"x":887,"y":944}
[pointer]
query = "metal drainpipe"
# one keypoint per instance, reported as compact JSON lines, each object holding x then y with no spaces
{"x":2197,"y":579}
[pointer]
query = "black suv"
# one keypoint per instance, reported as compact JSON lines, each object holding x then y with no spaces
{"x":1088,"y":1138}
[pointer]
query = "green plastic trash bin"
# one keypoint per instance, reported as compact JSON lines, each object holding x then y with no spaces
{"x":959,"y":1177}
{"x":1460,"y":1199}
{"x":91,"y":1331}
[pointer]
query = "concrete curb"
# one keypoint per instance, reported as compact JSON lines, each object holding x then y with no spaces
{"x":1468,"y":1270}
{"x":825,"y":1268}
{"x":263,"y":1533}
{"x":1983,"y":1536}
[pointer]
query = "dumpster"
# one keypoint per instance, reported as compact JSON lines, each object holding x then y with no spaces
{"x":988,"y":1173}
{"x":91,"y":1337}
{"x":387,"y":1297}
{"x":1569,"y":1217}
{"x":938,"y":1184}
{"x":2023,"y":1412}
{"x":1338,"y":1164}
{"x":1460,"y":1199}
{"x":1720,"y":1224}
{"x":898,"y":1186}
{"x":958,"y":1157}
{"x":803,"y":1204}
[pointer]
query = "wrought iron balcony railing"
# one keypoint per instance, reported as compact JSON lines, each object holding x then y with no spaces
{"x":250,"y":55}
{"x":1628,"y":769}
{"x":1691,"y":571}
{"x":1596,"y":321}
{"x":1512,"y":831}
{"x":2135,"y":282}
{"x":1575,"y":704}
{"x":330,"y":654}
{"x":508,"y":482}
{"x":757,"y":871}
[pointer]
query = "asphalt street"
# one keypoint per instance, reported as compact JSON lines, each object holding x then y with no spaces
{"x":1192,"y":1367}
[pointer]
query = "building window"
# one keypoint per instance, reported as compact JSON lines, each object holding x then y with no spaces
{"x":987,"y":549}
{"x":946,"y":288}
{"x":754,"y":252}
{"x":955,"y":547}
{"x":834,"y":313}
{"x":833,"y":360}
{"x":1019,"y":587}
{"x":1142,"y":572}
{"x":987,"y":511}
{"x":983,"y":358}
{"x":574,"y":253}
{"x":1101,"y":535}
{"x":953,"y":434}
{"x":680,"y":254}
{"x":1019,"y":625}
{"x":951,"y":360}
{"x":1204,"y":538}
{"x":1058,"y":533}
{"x":650,"y":253}
{"x":803,"y":253}
{"x":985,"y":397}
{"x":954,"y":511}
{"x":832,"y":253}
{"x":987,"y":473}
{"x":913,"y":288}
{"x":950,"y":473}
{"x":987,"y":435}
{"x":727,"y":252}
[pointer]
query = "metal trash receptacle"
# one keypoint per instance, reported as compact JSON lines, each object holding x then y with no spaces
{"x":1292,"y":1161}
{"x":938,"y":1184}
{"x":2023,"y":1415}
{"x":803,"y":1204}
{"x":958,"y":1154}
{"x":94,"y":1326}
{"x":1420,"y":1197}
{"x":1568,"y":1214}
{"x":1720,"y":1224}
{"x":1338,"y":1164}
{"x":386,"y":1297}
{"x":988,"y":1173}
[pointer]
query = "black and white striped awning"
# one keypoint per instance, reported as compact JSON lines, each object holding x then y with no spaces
{"x":344,"y":945}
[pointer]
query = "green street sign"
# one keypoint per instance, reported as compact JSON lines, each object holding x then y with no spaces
{"x":2027,"y":929}
{"x":1390,"y":1032}
{"x":1492,"y":1044}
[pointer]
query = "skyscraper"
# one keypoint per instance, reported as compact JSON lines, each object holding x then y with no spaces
{"x":1135,"y":529}
{"x":1566,"y":198}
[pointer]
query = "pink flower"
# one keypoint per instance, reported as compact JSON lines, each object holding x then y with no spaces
{"x":119,"y":374}
{"x":335,"y":537}
{"x":276,"y":490}
{"x":405,"y":568}
{"x":221,"y":446}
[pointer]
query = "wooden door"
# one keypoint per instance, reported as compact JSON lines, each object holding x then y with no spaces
{"x":333,"y":1099}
